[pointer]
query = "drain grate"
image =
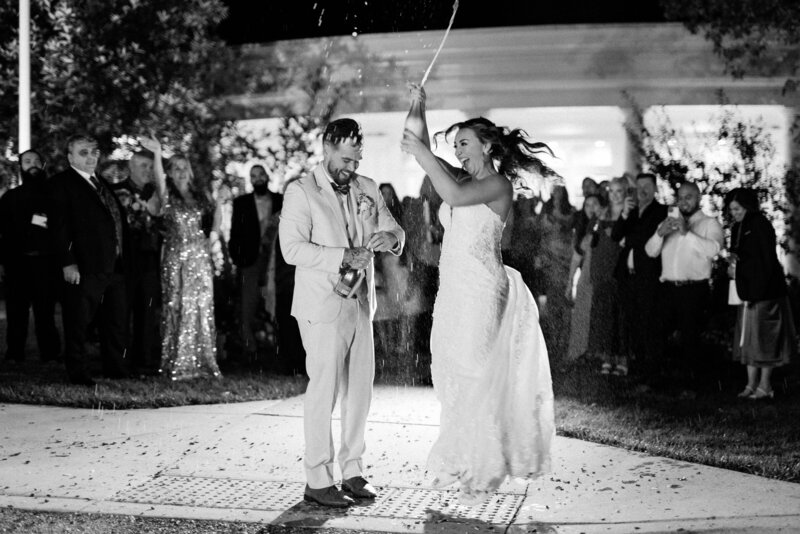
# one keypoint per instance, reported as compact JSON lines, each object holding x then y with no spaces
{"x":397,"y":503}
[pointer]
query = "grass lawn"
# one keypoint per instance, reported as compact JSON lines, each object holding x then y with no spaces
{"x":33,"y":383}
{"x":709,"y":426}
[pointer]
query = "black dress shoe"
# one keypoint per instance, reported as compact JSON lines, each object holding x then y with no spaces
{"x":82,"y":380}
{"x":330,"y":496}
{"x":359,"y":488}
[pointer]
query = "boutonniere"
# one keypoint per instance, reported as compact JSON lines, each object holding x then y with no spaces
{"x":366,"y":205}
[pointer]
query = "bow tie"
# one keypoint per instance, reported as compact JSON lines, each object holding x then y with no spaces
{"x":342,"y":189}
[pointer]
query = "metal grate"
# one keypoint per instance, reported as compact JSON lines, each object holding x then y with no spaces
{"x":398,"y":503}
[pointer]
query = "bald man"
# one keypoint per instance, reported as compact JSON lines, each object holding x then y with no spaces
{"x":687,"y":240}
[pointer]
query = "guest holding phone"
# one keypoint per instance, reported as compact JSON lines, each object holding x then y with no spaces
{"x":687,"y":241}
{"x":638,"y":273}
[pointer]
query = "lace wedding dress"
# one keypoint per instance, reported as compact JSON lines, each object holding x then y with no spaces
{"x":490,"y":368}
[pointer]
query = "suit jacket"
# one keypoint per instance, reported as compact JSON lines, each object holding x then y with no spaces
{"x":313,"y":237}
{"x":82,"y":228}
{"x":245,"y":240}
{"x":759,"y":274}
{"x":18,"y":234}
{"x":637,"y":230}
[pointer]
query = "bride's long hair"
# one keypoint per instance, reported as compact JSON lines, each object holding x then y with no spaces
{"x":510,"y":149}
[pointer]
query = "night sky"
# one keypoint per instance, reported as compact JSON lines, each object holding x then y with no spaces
{"x":258,"y":21}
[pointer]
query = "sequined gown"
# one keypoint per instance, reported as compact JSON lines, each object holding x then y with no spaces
{"x":489,"y":363}
{"x":189,"y":335}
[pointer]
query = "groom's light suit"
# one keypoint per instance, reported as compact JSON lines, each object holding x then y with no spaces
{"x":336,"y":331}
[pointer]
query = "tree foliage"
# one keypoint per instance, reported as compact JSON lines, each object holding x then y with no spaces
{"x":122,"y":68}
{"x":318,"y":79}
{"x":114,"y":67}
{"x":760,"y":37}
{"x":737,"y":152}
{"x":752,"y":36}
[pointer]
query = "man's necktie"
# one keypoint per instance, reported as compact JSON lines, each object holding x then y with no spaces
{"x":110,"y":202}
{"x":342,"y":189}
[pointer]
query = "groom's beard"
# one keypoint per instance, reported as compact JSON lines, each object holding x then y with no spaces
{"x":260,"y":189}
{"x":340,"y":176}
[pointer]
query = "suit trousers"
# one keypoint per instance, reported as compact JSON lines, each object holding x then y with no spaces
{"x":684,"y":311}
{"x":101,"y":296}
{"x":32,"y":281}
{"x":340,"y":361}
{"x":639,"y":298}
{"x":144,"y":304}
{"x":291,"y":355}
{"x":250,"y":282}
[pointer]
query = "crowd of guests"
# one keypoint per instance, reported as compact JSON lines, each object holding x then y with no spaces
{"x":645,"y":275}
{"x":128,"y":253}
{"x":624,"y":283}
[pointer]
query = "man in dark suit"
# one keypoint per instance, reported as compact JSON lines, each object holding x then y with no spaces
{"x":89,"y":228}
{"x":254,"y":229}
{"x":638,"y":274}
{"x":32,"y":275}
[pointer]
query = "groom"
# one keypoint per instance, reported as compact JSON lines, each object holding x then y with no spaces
{"x":333,"y":220}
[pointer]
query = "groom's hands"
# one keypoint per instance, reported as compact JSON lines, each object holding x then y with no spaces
{"x":382,"y":241}
{"x":357,"y":258}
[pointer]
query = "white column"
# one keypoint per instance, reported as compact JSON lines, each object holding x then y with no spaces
{"x":24,"y":76}
{"x":633,"y":160}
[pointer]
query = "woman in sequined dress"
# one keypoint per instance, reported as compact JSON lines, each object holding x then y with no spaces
{"x":188,"y":347}
{"x":490,"y":368}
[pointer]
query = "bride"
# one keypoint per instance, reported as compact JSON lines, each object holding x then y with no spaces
{"x":489,"y":361}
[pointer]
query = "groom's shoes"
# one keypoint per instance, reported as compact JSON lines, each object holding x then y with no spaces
{"x":359,"y":488}
{"x":331,"y":496}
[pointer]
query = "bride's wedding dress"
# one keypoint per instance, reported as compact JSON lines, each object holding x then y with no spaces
{"x":489,"y":363}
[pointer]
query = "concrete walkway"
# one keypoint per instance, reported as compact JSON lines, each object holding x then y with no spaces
{"x":243,"y":462}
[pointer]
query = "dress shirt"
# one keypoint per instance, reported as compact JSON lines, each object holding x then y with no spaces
{"x":86,"y":176}
{"x":688,"y":257}
{"x":344,"y":198}
{"x":264,"y":210}
{"x":344,"y":202}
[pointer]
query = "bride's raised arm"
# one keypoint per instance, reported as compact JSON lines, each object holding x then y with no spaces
{"x":446,"y":178}
{"x":416,"y":121}
{"x":417,"y":124}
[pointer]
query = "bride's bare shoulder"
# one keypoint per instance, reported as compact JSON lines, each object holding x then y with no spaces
{"x":503,"y":183}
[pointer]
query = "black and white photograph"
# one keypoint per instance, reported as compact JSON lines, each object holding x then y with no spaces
{"x":424,"y":266}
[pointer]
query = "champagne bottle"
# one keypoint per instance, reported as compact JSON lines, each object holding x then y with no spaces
{"x":415,"y":121}
{"x":349,"y":282}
